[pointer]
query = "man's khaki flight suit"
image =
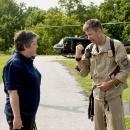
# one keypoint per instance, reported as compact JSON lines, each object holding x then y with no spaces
{"x":101,"y":63}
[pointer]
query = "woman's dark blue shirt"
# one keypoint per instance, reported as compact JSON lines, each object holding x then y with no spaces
{"x":20,"y":74}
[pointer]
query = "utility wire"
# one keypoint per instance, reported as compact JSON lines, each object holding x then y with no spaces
{"x":80,"y":25}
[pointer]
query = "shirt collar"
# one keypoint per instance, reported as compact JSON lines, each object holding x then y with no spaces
{"x":104,"y":48}
{"x":23,"y":58}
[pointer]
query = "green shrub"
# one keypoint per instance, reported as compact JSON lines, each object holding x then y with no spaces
{"x":9,"y":51}
{"x":128,"y":50}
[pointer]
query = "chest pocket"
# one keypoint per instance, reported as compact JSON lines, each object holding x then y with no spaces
{"x":101,"y":62}
{"x":100,"y":65}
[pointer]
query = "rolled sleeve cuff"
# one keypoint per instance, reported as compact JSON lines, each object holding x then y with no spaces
{"x":10,"y":87}
{"x":83,"y":72}
{"x":120,"y":78}
{"x":77,"y":68}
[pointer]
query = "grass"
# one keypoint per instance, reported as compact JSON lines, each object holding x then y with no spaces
{"x":3,"y":60}
{"x":127,"y":122}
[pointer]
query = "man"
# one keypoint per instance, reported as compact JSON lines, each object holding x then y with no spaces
{"x":100,"y":61}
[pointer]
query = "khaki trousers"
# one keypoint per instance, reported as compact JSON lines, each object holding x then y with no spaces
{"x":110,"y":116}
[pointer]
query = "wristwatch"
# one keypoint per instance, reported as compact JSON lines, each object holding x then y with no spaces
{"x":78,"y":59}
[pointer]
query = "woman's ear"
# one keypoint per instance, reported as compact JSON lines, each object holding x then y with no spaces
{"x":26,"y":48}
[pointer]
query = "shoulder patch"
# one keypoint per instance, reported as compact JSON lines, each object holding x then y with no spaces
{"x":124,"y":62}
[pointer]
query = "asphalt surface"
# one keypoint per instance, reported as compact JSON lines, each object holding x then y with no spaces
{"x":63,"y":105}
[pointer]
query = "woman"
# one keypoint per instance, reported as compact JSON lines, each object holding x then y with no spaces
{"x":22,"y":83}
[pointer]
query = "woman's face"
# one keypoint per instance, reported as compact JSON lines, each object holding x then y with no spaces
{"x":32,"y":50}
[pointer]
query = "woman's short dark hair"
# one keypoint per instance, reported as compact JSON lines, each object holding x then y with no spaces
{"x":24,"y":38}
{"x":94,"y":24}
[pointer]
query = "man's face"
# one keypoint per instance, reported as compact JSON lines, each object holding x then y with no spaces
{"x":93,"y":36}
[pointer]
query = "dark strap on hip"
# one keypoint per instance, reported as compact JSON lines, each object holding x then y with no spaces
{"x":91,"y":106}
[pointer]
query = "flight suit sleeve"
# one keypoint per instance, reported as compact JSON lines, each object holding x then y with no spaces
{"x":86,"y":67}
{"x":123,"y":62}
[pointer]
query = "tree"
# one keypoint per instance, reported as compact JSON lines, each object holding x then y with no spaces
{"x":56,"y":23}
{"x":69,"y":5}
{"x":113,"y":11}
{"x":10,"y":21}
{"x":35,"y":16}
{"x":107,"y":11}
{"x":86,"y":12}
{"x":54,"y":28}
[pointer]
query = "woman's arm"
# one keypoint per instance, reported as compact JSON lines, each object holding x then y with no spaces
{"x":14,"y":101}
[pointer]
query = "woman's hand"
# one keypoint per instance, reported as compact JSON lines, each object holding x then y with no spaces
{"x":17,"y":123}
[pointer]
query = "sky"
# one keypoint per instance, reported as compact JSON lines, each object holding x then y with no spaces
{"x":46,"y":4}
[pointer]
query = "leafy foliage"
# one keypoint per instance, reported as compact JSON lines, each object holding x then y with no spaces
{"x":57,"y":22}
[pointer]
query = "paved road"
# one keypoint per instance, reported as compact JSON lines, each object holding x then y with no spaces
{"x":63,"y":105}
